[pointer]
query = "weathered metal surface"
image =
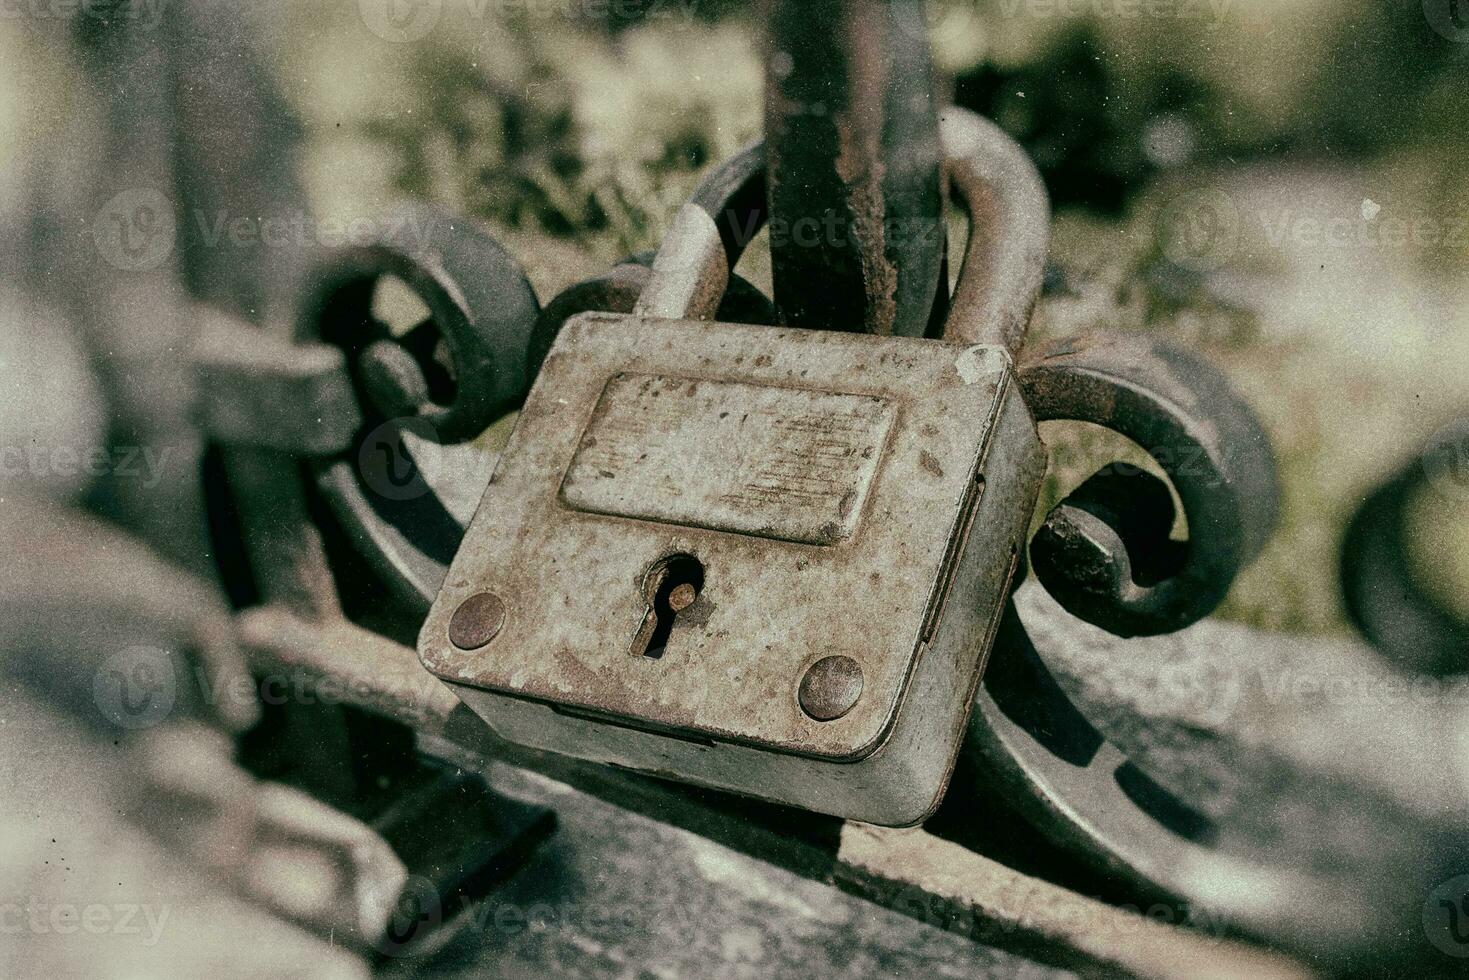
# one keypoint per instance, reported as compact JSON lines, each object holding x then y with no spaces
{"x":258,"y":390}
{"x":932,"y":500}
{"x":1183,"y":413}
{"x":281,"y":541}
{"x":971,"y":894}
{"x":451,"y":837}
{"x":617,"y":291}
{"x":410,"y":532}
{"x":298,"y":857}
{"x":393,"y":379}
{"x":477,"y":621}
{"x":460,"y":841}
{"x":911,"y":872}
{"x":735,"y":194}
{"x":834,"y":490}
{"x":627,"y":895}
{"x":806,"y":463}
{"x":471,"y":358}
{"x":1328,"y":808}
{"x":831,"y":688}
{"x":1009,"y":225}
{"x":480,"y":303}
{"x":1214,"y":769}
{"x":634,"y":459}
{"x":97,"y":621}
{"x":1009,"y":214}
{"x":1384,"y":594}
{"x":856,"y":202}
{"x":267,"y":403}
{"x":690,"y":272}
{"x":1009,"y":232}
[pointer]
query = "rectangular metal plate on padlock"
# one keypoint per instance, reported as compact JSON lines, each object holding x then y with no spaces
{"x":757,"y":559}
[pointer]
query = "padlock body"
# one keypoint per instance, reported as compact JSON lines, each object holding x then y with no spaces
{"x":829,"y":498}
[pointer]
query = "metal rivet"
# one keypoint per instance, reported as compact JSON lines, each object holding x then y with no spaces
{"x":831,"y":688}
{"x":477,"y":621}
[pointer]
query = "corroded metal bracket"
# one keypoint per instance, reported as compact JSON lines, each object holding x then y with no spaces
{"x":1105,"y":552}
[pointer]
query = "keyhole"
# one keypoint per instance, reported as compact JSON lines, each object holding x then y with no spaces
{"x":671,"y":586}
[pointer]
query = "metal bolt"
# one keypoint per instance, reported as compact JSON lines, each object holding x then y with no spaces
{"x":477,"y":621}
{"x":682,"y":597}
{"x":831,"y":688}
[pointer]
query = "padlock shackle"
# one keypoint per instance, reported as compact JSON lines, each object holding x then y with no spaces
{"x":1004,"y":262}
{"x":709,"y":235}
{"x":1009,"y":231}
{"x":733,"y":195}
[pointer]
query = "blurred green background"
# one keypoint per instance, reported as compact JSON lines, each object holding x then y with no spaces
{"x":1280,"y":183}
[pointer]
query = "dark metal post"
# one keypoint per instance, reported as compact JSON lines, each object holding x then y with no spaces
{"x":852,"y":136}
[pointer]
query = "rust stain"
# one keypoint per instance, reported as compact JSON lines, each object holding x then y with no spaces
{"x":859,"y":165}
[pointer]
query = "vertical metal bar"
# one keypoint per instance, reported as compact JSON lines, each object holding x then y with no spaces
{"x":856,"y":199}
{"x":195,"y":122}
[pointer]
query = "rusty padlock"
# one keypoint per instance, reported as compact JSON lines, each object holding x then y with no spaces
{"x":753,"y":558}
